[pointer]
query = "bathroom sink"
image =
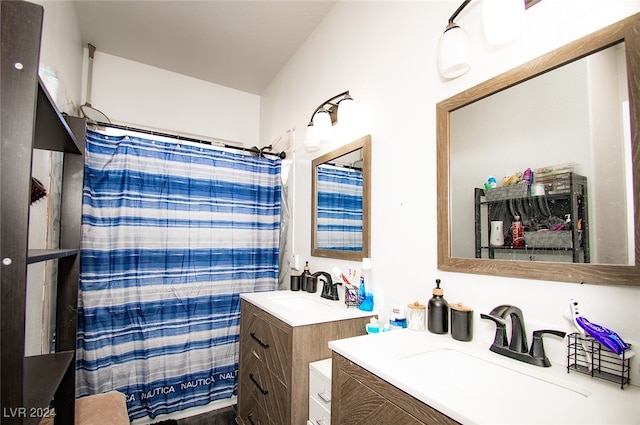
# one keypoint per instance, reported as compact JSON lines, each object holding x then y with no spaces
{"x":302,"y":302}
{"x":302,"y":308}
{"x":483,"y":378}
{"x":474,"y":386}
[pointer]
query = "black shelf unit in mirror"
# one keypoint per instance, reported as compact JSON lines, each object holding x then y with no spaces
{"x":30,"y":385}
{"x":563,"y":207}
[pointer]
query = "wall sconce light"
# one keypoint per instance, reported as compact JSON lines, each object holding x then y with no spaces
{"x":325,"y":116}
{"x":454,"y":51}
{"x":502,"y":21}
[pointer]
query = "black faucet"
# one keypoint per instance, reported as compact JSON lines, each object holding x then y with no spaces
{"x":517,"y":348}
{"x":329,"y":288}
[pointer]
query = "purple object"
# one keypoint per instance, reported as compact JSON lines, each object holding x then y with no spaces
{"x":527,"y":176}
{"x":604,"y":336}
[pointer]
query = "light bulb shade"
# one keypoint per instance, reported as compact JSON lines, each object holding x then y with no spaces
{"x":311,"y":141}
{"x":502,"y":20}
{"x":454,"y":52}
{"x":322,"y":124}
{"x":347,"y":114}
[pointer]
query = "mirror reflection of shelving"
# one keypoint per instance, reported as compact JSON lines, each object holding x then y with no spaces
{"x":564,"y":210}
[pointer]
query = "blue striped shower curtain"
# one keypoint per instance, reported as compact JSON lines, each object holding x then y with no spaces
{"x":171,"y":235}
{"x":339,"y":208}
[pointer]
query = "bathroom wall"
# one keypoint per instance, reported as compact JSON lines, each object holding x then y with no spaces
{"x":385,"y":54}
{"x":132,"y":93}
{"x":140,"y":95}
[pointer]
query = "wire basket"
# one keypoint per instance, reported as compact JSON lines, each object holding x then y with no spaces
{"x":351,"y":296}
{"x":507,"y":192}
{"x":588,"y":356}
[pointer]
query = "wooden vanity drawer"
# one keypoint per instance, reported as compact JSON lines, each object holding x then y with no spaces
{"x":360,"y":397}
{"x":265,"y":341}
{"x":271,"y":394}
{"x":250,"y":412}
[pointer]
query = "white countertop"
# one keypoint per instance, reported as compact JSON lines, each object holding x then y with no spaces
{"x":472,"y":385}
{"x":299,"y":308}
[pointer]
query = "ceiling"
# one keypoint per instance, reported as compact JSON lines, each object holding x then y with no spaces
{"x":240,"y":44}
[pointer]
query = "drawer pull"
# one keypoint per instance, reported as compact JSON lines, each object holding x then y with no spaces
{"x":263,"y":391}
{"x":324,"y":396}
{"x":253,"y":335}
{"x":250,"y":417}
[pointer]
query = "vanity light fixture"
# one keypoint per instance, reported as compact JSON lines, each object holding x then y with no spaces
{"x":502,"y":21}
{"x":325,"y":116}
{"x":454,"y":51}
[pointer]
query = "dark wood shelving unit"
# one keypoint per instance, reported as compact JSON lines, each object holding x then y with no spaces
{"x":52,"y":131}
{"x":571,"y":200}
{"x":43,"y":375}
{"x":30,"y":120}
{"x":38,"y":255}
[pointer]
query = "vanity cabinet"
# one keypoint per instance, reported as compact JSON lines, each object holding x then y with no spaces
{"x":273,"y":371}
{"x":565,"y":197}
{"x":30,"y":120}
{"x":360,"y":397}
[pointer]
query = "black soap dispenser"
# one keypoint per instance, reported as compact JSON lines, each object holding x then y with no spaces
{"x":306,"y":277}
{"x":438,"y":312}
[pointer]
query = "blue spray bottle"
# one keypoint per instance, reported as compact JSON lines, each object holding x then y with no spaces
{"x":366,"y":286}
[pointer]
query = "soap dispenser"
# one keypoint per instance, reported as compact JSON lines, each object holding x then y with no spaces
{"x":306,"y":277}
{"x":438,"y":312}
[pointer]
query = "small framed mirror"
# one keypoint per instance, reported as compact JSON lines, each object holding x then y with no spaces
{"x":341,"y":202}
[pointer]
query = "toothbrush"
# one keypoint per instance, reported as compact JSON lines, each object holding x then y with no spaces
{"x":604,"y":336}
{"x":338,"y":273}
{"x":573,"y":318}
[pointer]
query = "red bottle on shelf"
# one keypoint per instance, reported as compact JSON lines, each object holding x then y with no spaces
{"x":517,"y":233}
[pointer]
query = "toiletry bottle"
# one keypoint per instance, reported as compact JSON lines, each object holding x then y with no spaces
{"x":366,"y":288}
{"x":438,"y":312}
{"x":527,"y":177}
{"x":306,"y":276}
{"x":517,"y":233}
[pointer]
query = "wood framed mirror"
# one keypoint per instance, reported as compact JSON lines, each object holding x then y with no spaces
{"x":341,"y":202}
{"x":623,"y":36}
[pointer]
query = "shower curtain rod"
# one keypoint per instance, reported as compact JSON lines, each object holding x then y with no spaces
{"x":252,"y":150}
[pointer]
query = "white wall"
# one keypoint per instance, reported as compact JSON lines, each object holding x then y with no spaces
{"x":384,"y":53}
{"x":61,"y":50}
{"x":141,"y":95}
